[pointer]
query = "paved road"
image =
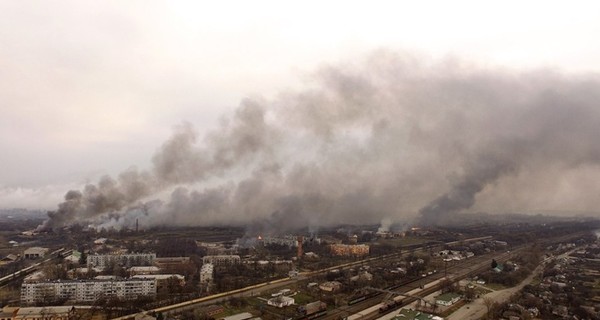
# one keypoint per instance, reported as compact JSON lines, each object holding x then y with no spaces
{"x":477,"y":309}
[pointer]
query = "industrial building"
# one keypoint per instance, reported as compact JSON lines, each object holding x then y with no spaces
{"x":35,"y":252}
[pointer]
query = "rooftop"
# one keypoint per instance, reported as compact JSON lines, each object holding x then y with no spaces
{"x":44,"y":310}
{"x":239,"y":316}
{"x":159,"y":276}
{"x":448,"y":296}
{"x":409,"y":314}
{"x":34,"y":250}
{"x":94,"y":280}
{"x":144,"y":268}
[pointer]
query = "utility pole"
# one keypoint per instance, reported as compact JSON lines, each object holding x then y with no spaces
{"x":445,"y":268}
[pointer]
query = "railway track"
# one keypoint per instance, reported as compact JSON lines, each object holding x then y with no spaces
{"x":372,"y":313}
{"x":457,"y":270}
{"x":192,"y":304}
{"x":344,"y":310}
{"x":460,"y":272}
{"x":60,"y":253}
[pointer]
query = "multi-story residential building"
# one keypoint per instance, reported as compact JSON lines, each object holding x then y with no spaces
{"x":171,"y":262}
{"x":222,"y":260}
{"x":289,"y":241}
{"x":143,"y":270}
{"x":163,"y":280}
{"x":349,"y":250}
{"x":279,"y":264}
{"x":215,"y":251}
{"x":218,"y":248}
{"x":206,"y":273}
{"x":86,"y":291}
{"x":124,"y":260}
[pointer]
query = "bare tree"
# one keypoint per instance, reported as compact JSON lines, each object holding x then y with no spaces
{"x":489,"y":305}
{"x":447,"y":285}
{"x":470,"y":294}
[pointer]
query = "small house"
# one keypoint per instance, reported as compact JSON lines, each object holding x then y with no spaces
{"x":447,"y":299}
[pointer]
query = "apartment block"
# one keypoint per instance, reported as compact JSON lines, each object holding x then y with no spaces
{"x":222,"y":260}
{"x":86,"y":291}
{"x":349,"y":249}
{"x":125,"y":260}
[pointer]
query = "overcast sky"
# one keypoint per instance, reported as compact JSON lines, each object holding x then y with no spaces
{"x":89,"y":88}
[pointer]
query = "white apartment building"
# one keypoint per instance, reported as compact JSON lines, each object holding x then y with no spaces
{"x":124,"y":260}
{"x":221,"y":260}
{"x":206,"y":273}
{"x":162,"y":280}
{"x":143,"y":270}
{"x":289,"y":240}
{"x":86,"y":291}
{"x":218,"y":248}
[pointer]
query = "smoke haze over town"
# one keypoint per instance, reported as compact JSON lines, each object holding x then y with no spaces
{"x":133,"y":128}
{"x":385,"y":138}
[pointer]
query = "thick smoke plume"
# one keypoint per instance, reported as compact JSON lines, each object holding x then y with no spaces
{"x":389,"y":137}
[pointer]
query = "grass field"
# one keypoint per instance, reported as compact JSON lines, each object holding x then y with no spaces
{"x":303,"y":298}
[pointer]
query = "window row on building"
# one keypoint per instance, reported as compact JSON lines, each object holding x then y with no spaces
{"x":124,"y":260}
{"x":206,"y":273}
{"x":349,"y":249}
{"x":86,"y":290}
{"x":222,"y":260}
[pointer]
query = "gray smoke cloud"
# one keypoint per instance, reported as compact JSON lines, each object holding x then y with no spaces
{"x":391,"y":137}
{"x":180,"y":160}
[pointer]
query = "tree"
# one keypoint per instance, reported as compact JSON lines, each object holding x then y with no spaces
{"x":494,"y":263}
{"x":55,"y":271}
{"x":83,"y":258}
{"x":489,"y":304}
{"x":446,"y":285}
{"x":470,"y":294}
{"x":434,"y":307}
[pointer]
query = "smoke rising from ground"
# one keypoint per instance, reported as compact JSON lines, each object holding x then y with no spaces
{"x":390,"y":137}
